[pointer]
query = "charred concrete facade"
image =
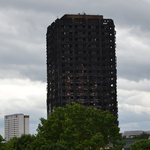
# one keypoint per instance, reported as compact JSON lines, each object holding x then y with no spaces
{"x":81,"y":62}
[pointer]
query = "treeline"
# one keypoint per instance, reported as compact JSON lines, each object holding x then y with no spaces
{"x":73,"y":127}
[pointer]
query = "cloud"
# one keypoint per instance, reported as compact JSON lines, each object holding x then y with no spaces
{"x":23,"y":55}
{"x":23,"y":48}
{"x":132,"y":53}
{"x":23,"y":96}
{"x":134,"y":117}
{"x":134,"y":104}
{"x":141,"y":85}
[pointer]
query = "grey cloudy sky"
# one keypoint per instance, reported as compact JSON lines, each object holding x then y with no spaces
{"x":23,"y":56}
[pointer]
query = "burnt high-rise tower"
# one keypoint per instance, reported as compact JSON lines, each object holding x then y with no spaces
{"x":81,"y":62}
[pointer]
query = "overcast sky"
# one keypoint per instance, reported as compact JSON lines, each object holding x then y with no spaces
{"x":23,"y":26}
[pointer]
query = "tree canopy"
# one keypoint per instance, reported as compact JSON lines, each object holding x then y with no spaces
{"x":141,"y":145}
{"x":20,"y":143}
{"x":75,"y":127}
{"x":1,"y":143}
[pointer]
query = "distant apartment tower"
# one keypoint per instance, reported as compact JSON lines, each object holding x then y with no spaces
{"x":16,"y":125}
{"x":81,"y":62}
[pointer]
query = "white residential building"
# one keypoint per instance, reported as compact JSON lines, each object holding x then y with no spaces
{"x":16,"y":125}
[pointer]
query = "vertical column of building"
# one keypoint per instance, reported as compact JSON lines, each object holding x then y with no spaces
{"x":26,"y":124}
{"x":109,"y":66}
{"x":94,"y":51}
{"x":81,"y":60}
{"x":20,"y":124}
{"x":6,"y":125}
{"x":49,"y":69}
{"x":51,"y":65}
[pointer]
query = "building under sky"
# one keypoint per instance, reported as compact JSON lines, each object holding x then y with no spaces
{"x":16,"y":125}
{"x":81,"y":62}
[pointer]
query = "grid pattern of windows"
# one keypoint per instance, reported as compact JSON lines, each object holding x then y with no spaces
{"x":16,"y":125}
{"x":81,"y":62}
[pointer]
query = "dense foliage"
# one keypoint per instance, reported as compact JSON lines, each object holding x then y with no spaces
{"x":1,"y":143}
{"x":76,"y":127}
{"x":141,"y":145}
{"x":73,"y":127}
{"x":22,"y":143}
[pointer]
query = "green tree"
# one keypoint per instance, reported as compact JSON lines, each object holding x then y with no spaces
{"x":141,"y":145}
{"x":22,"y":143}
{"x":75,"y":127}
{"x":1,"y":143}
{"x":11,"y":145}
